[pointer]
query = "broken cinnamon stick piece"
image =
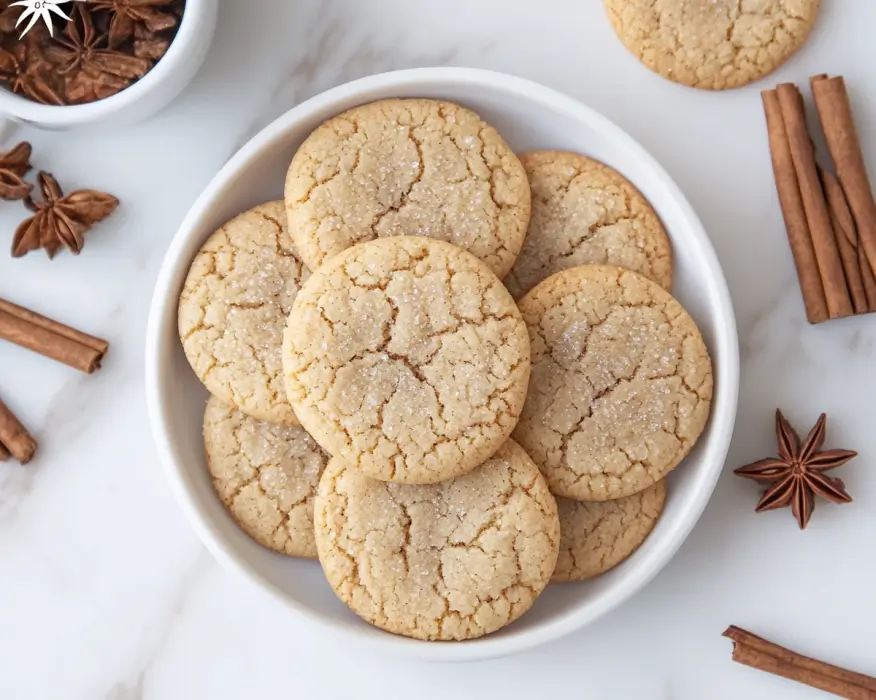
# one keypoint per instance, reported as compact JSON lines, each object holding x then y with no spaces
{"x":846,"y":238}
{"x":50,"y":338}
{"x":753,"y":651}
{"x":793,"y":213}
{"x":14,"y":436}
{"x":838,"y":124}
{"x":830,"y":266}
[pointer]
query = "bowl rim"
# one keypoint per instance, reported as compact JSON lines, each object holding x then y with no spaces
{"x":22,"y":109}
{"x":725,"y":345}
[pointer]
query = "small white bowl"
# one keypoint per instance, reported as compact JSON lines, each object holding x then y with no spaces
{"x":529,"y":116}
{"x":152,"y":92}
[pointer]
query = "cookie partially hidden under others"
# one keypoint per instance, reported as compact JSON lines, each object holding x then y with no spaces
{"x":266,"y":476}
{"x":233,"y":308}
{"x":585,"y":213}
{"x":621,"y":382}
{"x":407,"y":358}
{"x":412,"y":167}
{"x":449,"y":561}
{"x":597,"y":536}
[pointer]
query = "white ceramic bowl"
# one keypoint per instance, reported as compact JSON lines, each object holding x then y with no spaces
{"x":529,"y":116}
{"x":141,"y":100}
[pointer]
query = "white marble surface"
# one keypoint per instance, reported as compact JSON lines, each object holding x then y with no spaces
{"x":105,"y":593}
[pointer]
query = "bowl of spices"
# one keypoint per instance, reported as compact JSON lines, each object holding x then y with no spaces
{"x":111,"y":62}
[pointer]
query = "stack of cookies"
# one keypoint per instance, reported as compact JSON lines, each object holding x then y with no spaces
{"x":451,"y":374}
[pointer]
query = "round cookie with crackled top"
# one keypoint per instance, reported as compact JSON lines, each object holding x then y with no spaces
{"x":449,"y":561}
{"x":408,"y":358}
{"x":408,"y":167}
{"x":233,"y":307}
{"x":266,"y":475}
{"x":584,"y":213}
{"x":621,"y":383}
{"x":596,"y":536}
{"x":713,"y":44}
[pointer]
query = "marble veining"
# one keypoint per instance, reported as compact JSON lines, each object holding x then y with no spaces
{"x":105,"y":591}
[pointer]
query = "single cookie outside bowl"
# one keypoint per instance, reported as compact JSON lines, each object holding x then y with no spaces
{"x":233,"y":309}
{"x":713,"y":44}
{"x":408,"y":358}
{"x":407,"y":168}
{"x":449,"y":561}
{"x":584,"y":213}
{"x":596,"y":536}
{"x":266,"y":476}
{"x":621,"y":382}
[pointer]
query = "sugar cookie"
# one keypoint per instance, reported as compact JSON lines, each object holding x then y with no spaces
{"x":621,"y":382}
{"x":408,"y":358}
{"x":449,"y":561}
{"x":233,"y":309}
{"x":712,"y":44}
{"x":408,"y":168}
{"x":266,"y":475}
{"x":597,"y":536}
{"x":584,"y":212}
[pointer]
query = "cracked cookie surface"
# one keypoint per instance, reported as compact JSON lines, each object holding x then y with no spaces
{"x":411,"y":167}
{"x":408,"y":358}
{"x":621,"y":382}
{"x":266,"y":475}
{"x":583,"y":213}
{"x":712,"y":44}
{"x":449,"y":561}
{"x":233,"y":309}
{"x":597,"y":536}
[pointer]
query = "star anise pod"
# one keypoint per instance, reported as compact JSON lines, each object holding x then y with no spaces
{"x":13,"y":166}
{"x":148,"y":44}
{"x":127,"y":13}
{"x":31,"y":78}
{"x":60,"y":221}
{"x":92,"y":71}
{"x":798,"y":472}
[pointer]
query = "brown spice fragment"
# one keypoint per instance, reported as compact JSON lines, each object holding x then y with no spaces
{"x":91,"y":71}
{"x":756,"y":652}
{"x":60,"y":221}
{"x":817,"y":215}
{"x":13,"y":166}
{"x":840,"y":133}
{"x":27,"y":74}
{"x":51,"y":338}
{"x":14,"y":438}
{"x":846,"y":238}
{"x":793,"y":212}
{"x":798,"y":473}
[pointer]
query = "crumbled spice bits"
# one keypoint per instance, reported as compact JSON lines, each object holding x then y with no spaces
{"x":106,"y":46}
{"x":60,"y":221}
{"x":13,"y":166}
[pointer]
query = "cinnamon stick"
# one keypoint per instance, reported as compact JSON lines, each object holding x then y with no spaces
{"x":846,"y":238}
{"x":793,"y":213}
{"x":868,"y":278}
{"x":753,"y":651}
{"x":50,"y":338}
{"x":14,"y":438}
{"x":830,"y":266}
{"x":4,"y":454}
{"x":838,"y":124}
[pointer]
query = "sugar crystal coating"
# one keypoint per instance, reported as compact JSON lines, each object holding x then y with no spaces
{"x":407,"y":357}
{"x":448,"y":561}
{"x":621,"y":382}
